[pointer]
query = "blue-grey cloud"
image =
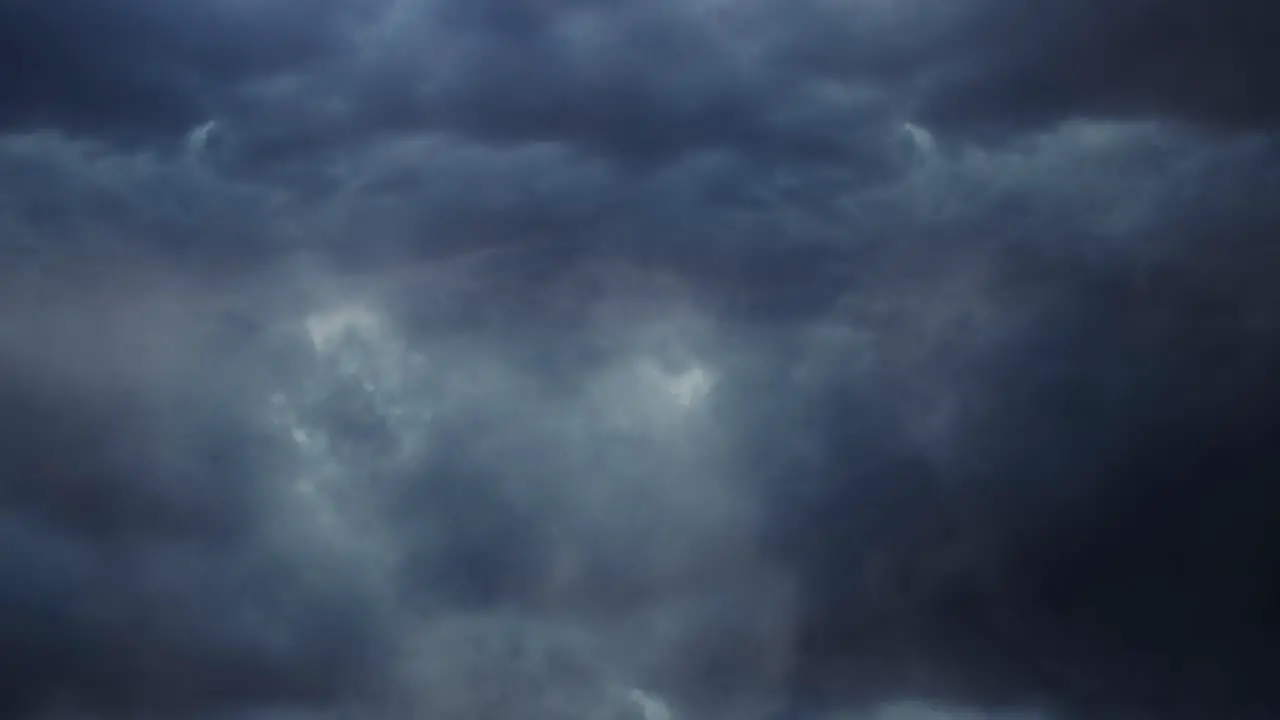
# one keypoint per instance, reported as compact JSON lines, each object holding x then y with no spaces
{"x":477,"y":358}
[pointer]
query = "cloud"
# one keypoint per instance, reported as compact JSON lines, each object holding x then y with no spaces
{"x":142,"y":67}
{"x":1145,"y":59}
{"x":139,"y":571}
{"x":991,"y":67}
{"x":636,"y":81}
{"x":813,"y":80}
{"x":700,"y":359}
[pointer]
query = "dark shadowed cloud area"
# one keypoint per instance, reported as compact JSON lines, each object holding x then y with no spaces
{"x":639,"y":359}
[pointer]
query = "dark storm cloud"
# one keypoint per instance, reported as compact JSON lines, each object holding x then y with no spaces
{"x":1040,"y":447}
{"x":592,"y":352}
{"x":637,"y":81}
{"x":807,"y":80}
{"x":994,"y":67}
{"x":1211,"y":64}
{"x":66,"y":201}
{"x":137,"y":68}
{"x":641,"y":81}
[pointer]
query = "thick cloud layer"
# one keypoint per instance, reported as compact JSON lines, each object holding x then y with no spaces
{"x":483,"y":358}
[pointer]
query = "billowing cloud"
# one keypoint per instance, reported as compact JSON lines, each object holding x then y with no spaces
{"x":649,"y":360}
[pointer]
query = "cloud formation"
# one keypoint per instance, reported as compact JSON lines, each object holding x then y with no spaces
{"x":443,"y":358}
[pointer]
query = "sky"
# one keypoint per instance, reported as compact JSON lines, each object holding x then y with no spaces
{"x":648,"y":359}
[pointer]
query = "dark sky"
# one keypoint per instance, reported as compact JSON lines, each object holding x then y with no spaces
{"x":750,"y":359}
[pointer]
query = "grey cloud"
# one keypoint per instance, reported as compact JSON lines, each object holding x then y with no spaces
{"x":1183,"y":60}
{"x":139,"y":572}
{"x":809,"y":80}
{"x":992,"y":67}
{"x":919,"y":522}
{"x":268,"y":520}
{"x":484,"y":430}
{"x":138,"y":68}
{"x":578,"y":349}
{"x":638,"y":83}
{"x":71,"y":203}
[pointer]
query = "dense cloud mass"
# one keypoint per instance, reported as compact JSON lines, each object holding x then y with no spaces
{"x":666,"y":359}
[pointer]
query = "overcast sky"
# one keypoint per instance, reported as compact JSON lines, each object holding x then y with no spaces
{"x":711,"y":359}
